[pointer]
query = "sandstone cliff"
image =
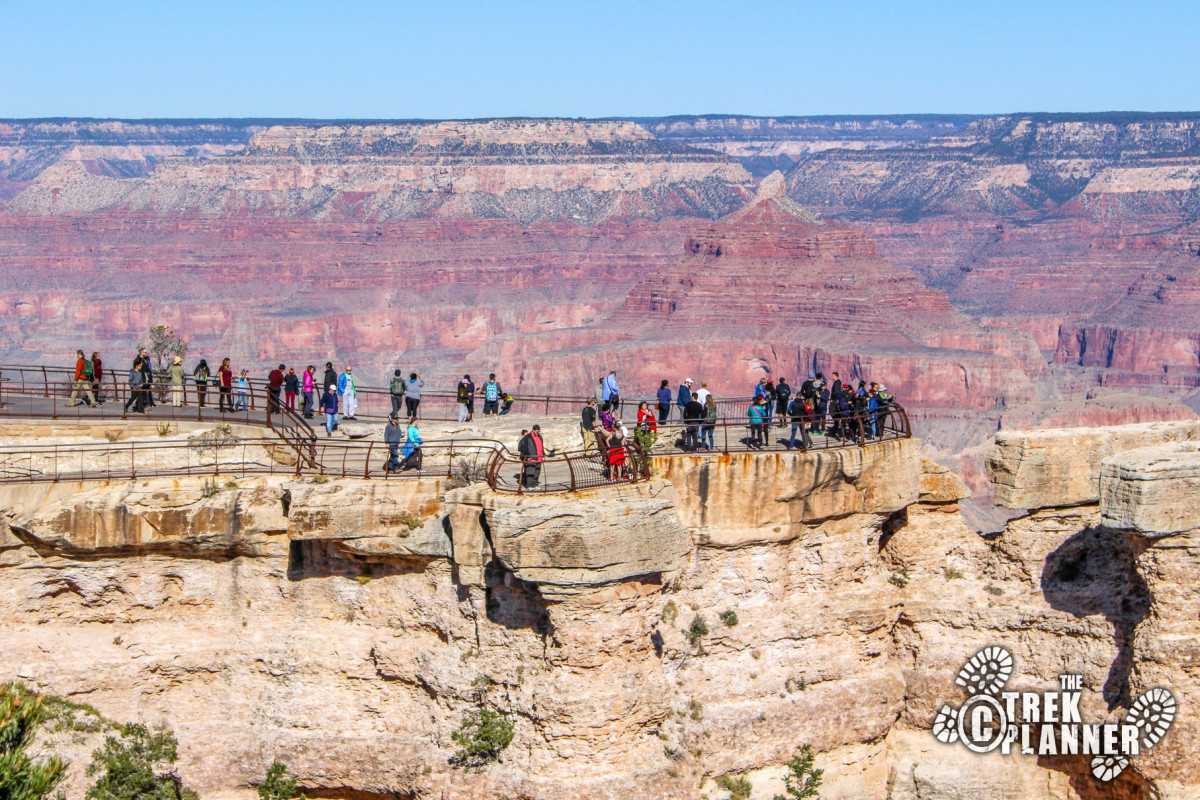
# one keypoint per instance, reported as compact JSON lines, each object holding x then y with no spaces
{"x":347,"y":638}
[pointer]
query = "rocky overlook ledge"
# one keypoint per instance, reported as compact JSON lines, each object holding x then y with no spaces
{"x":645,"y":640}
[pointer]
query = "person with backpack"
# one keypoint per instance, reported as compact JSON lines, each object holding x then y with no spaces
{"x":412,"y":395}
{"x":175,"y":375}
{"x":309,"y":385}
{"x":783,"y":394}
{"x":396,"y":389}
{"x":710,"y":423}
{"x":491,"y":396}
{"x":664,"y":401}
{"x":800,"y":413}
{"x":83,"y":381}
{"x":611,"y":392}
{"x":200,"y":376}
{"x":291,"y":386}
{"x":757,"y":416}
{"x":329,"y":406}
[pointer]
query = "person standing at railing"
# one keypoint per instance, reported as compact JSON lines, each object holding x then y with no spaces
{"x":758,"y":417}
{"x":645,"y":418}
{"x":175,"y":376}
{"x":133,"y":403}
{"x":587,"y":424}
{"x":616,"y":454}
{"x":800,"y":411}
{"x":693,"y":415}
{"x":821,"y":405}
{"x":612,"y":392}
{"x":97,"y":377}
{"x":200,"y":375}
{"x":703,"y":394}
{"x":83,"y":381}
{"x":348,"y":391}
{"x":463,"y":398}
{"x":291,"y":385}
{"x":783,"y":394}
{"x":412,"y":394}
{"x":225,"y":384}
{"x":148,"y":401}
{"x":142,"y":383}
{"x":392,"y":436}
{"x":243,"y":391}
{"x":532,"y":451}
{"x":710,"y":423}
{"x":274,"y":387}
{"x":329,"y":407}
{"x":886,"y":402}
{"x":330,"y":379}
{"x":685,"y":394}
{"x":396,"y":389}
{"x":664,"y":401}
{"x":309,"y":384}
{"x":470,"y":384}
{"x":491,"y":396}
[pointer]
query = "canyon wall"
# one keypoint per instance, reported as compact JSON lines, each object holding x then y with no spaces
{"x":345,"y":627}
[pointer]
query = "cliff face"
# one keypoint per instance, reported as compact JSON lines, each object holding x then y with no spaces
{"x":349,"y":646}
{"x":525,"y":170}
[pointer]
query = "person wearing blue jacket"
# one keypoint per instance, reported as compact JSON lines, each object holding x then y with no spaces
{"x":757,"y":414}
{"x":685,"y":394}
{"x":612,"y":393}
{"x":410,"y":453}
{"x":329,"y":406}
{"x":664,"y":401}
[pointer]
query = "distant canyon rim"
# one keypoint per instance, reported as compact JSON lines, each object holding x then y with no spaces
{"x":1008,"y":271}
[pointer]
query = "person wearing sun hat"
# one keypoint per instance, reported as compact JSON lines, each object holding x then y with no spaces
{"x":175,"y":377}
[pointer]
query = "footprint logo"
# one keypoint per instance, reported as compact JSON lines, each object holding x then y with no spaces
{"x":1152,"y":713}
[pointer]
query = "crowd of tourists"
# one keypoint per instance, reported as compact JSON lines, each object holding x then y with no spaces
{"x":831,"y":407}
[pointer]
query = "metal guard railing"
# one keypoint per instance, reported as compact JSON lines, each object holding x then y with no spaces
{"x":574,"y":471}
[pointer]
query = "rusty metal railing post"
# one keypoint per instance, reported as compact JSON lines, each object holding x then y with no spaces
{"x":367,"y":465}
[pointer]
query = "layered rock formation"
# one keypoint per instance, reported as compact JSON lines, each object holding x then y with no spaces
{"x":526,"y":170}
{"x":854,"y":603}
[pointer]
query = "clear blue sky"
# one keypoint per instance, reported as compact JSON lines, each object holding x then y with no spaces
{"x":444,"y":59}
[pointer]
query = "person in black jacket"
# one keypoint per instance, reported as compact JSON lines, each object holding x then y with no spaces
{"x":532,"y":451}
{"x":822,"y":407}
{"x":693,"y":415}
{"x":783,"y":394}
{"x":330,"y":378}
{"x":800,"y":411}
{"x":587,"y":424}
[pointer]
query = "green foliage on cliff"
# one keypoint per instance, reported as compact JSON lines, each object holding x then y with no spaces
{"x":22,"y":778}
{"x":739,"y":788}
{"x":697,"y":630}
{"x":483,"y":734}
{"x":136,"y":766}
{"x":801,"y":781}
{"x":275,"y":786}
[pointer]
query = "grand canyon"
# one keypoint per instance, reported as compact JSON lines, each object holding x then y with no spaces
{"x":1026,"y":285}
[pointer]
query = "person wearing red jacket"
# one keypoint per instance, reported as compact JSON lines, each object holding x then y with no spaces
{"x":226,"y":377}
{"x":97,"y":376}
{"x":274,"y":385}
{"x":83,"y":381}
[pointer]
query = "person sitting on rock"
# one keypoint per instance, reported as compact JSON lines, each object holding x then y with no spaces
{"x":410,"y":453}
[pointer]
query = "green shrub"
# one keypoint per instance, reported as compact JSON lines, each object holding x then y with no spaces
{"x":900,"y":579}
{"x":952,"y":574}
{"x":739,"y":788}
{"x":275,"y":786}
{"x":697,"y":630}
{"x":22,"y":778}
{"x":670,"y":612}
{"x":801,"y":780}
{"x":136,"y":766}
{"x":481,"y":737}
{"x":729,"y":617}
